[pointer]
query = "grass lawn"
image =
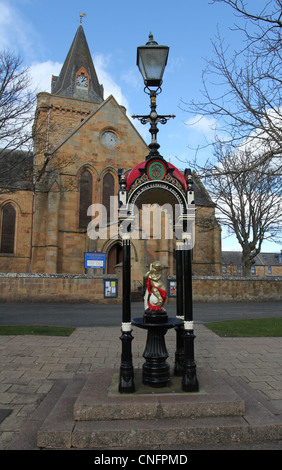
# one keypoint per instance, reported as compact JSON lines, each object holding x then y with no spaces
{"x":36,"y":330}
{"x":232,"y":328}
{"x":247,"y":328}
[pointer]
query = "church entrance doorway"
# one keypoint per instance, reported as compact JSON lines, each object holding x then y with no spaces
{"x":114,"y":257}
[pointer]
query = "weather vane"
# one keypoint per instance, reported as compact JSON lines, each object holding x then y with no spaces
{"x":81,"y":16}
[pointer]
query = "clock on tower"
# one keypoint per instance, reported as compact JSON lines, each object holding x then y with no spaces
{"x":82,"y":81}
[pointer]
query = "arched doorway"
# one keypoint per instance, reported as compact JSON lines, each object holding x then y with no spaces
{"x":114,"y":257}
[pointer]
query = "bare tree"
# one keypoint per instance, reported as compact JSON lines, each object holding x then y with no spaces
{"x":242,"y":92}
{"x":16,"y":103}
{"x":18,"y":163}
{"x":242,"y":89}
{"x":16,"y":115}
{"x":249,"y":202}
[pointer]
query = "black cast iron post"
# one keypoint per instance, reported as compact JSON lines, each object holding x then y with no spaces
{"x":126,"y":381}
{"x":156,"y":369}
{"x":179,"y":354}
{"x":153,"y":118}
{"x":189,"y":380}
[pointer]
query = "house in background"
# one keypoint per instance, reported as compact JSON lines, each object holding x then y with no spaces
{"x":265,"y":264}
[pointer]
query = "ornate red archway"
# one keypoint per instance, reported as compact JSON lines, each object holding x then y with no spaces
{"x":157,"y":181}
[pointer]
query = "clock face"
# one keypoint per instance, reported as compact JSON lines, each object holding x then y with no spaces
{"x":82,"y":81}
{"x":109,"y":139}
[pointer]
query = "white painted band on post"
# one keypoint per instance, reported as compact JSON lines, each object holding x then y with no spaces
{"x":126,"y":236}
{"x":179,"y":244}
{"x":186,"y":236}
{"x":188,"y":325}
{"x":126,"y":326}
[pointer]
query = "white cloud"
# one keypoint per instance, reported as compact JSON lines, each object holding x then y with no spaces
{"x":132,"y":79}
{"x":41,"y":74}
{"x":101,"y":63}
{"x":6,"y":18}
{"x":202,"y":125}
{"x":22,"y":39}
{"x":110,"y":86}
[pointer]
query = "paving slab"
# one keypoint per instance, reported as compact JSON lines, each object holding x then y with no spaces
{"x":101,"y":400}
{"x":104,"y":429}
{"x":4,"y":413}
{"x":256,"y":362}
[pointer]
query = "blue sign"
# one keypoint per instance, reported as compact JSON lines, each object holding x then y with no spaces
{"x":93,"y":260}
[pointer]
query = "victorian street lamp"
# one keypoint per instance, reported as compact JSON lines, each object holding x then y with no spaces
{"x":151,"y":61}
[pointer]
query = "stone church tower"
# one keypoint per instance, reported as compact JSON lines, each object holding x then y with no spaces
{"x":87,"y":139}
{"x":80,"y":142}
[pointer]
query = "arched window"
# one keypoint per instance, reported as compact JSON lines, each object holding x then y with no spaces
{"x":108,"y":191}
{"x":8,"y":229}
{"x":85,"y":199}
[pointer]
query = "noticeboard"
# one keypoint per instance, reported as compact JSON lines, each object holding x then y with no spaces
{"x":94,"y":260}
{"x":171,"y":288}
{"x":110,"y":288}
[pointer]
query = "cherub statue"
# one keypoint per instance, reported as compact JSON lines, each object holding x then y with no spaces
{"x":155,"y":295}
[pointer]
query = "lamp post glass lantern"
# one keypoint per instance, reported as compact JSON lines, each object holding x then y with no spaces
{"x":151,"y":61}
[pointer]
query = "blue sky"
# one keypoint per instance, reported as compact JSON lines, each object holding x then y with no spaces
{"x":41,"y":33}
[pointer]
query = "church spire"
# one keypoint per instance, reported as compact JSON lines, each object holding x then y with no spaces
{"x":78,"y":77}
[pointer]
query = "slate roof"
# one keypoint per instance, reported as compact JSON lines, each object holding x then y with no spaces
{"x":78,"y":56}
{"x":269,"y":259}
{"x":231,"y":258}
{"x":201,"y":195}
{"x":16,"y":168}
{"x":262,"y":259}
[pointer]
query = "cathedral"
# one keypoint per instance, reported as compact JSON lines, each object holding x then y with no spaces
{"x":81,"y":140}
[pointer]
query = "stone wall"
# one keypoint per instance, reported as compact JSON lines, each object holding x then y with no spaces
{"x":220,"y":289}
{"x":16,"y":287}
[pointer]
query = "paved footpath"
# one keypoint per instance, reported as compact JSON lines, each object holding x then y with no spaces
{"x":30,"y":365}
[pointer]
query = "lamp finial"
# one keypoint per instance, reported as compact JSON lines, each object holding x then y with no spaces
{"x":151,"y":40}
